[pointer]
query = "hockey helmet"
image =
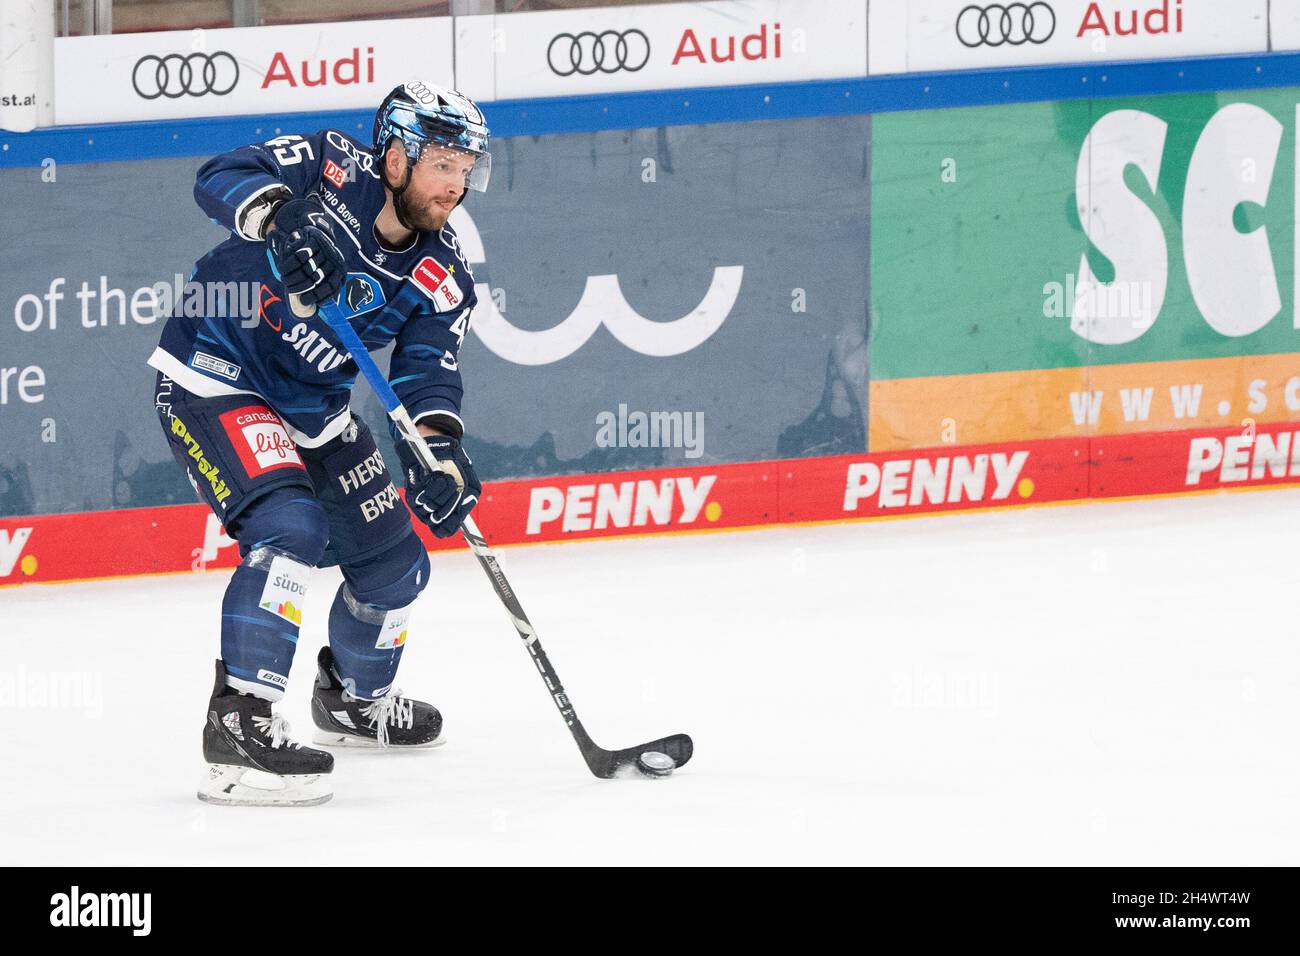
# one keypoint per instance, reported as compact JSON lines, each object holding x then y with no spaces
{"x":423,"y":115}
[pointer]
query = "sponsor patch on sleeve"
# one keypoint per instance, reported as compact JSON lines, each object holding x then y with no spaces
{"x":335,"y":173}
{"x":260,"y":439}
{"x":437,"y":282}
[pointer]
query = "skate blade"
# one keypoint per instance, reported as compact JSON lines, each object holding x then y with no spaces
{"x":232,"y":786}
{"x":329,"y":738}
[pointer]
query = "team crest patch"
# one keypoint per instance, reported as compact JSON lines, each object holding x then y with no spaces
{"x":437,"y":282}
{"x":260,"y":440}
{"x":362,"y":293}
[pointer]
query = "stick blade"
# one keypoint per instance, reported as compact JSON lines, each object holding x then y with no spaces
{"x":608,"y":763}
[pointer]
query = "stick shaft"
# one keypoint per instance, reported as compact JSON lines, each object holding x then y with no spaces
{"x":337,"y":321}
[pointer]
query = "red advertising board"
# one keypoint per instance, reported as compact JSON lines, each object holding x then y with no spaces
{"x":920,"y":481}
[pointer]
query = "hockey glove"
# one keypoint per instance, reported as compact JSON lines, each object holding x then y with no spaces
{"x":444,"y":499}
{"x":306,"y":257}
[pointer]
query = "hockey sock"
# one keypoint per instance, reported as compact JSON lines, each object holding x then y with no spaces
{"x":367,"y":644}
{"x":260,"y":617}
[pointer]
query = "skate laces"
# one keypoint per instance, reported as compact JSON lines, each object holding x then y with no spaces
{"x":389,"y":709}
{"x":275,"y":727}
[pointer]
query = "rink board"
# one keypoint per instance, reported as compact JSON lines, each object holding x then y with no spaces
{"x":1087,"y":401}
{"x":1085,"y":268}
{"x":743,"y":311}
{"x":898,"y":335}
{"x":754,"y":494}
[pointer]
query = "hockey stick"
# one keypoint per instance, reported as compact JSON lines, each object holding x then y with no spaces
{"x":655,"y":758}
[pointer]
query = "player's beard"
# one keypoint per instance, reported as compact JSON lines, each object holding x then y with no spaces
{"x":424,"y":215}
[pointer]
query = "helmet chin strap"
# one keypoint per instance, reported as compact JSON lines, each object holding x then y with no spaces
{"x":399,"y":197}
{"x":402,"y":210}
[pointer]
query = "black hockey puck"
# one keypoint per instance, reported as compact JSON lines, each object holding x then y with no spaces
{"x":654,"y":764}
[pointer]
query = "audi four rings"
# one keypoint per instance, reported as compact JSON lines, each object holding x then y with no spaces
{"x":175,"y":75}
{"x":606,"y":52}
{"x":1013,"y":24}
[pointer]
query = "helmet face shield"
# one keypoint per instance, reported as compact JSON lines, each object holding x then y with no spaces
{"x":481,"y":173}
{"x":439,"y":127}
{"x":453,"y":164}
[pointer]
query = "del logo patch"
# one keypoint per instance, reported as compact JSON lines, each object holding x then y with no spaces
{"x":260,"y":440}
{"x":438,"y":284}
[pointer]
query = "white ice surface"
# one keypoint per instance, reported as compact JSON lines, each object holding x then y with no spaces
{"x":1103,"y":684}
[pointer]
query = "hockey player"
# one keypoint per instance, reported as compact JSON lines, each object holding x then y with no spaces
{"x":256,"y":411}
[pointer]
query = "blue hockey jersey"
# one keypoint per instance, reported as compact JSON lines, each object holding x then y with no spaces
{"x":420,"y":296}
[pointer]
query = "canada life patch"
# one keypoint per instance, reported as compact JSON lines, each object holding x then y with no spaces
{"x":438,"y":284}
{"x":260,"y":440}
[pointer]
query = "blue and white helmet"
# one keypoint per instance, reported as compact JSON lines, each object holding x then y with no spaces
{"x":421,"y":114}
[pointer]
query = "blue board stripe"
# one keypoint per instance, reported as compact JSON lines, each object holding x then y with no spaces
{"x":722,"y":104}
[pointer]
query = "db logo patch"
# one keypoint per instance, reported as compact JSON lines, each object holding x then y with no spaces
{"x":335,"y":173}
{"x":260,"y":440}
{"x":438,"y":284}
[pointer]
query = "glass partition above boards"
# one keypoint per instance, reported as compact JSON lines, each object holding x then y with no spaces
{"x":89,"y":17}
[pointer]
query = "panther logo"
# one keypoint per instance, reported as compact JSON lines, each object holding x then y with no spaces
{"x":360,"y":294}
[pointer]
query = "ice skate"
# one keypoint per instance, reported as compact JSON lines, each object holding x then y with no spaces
{"x":252,"y":761}
{"x":390,"y":721}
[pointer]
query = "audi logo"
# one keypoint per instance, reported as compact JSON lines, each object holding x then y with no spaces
{"x":1013,"y":24}
{"x":179,"y":74}
{"x":606,"y":52}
